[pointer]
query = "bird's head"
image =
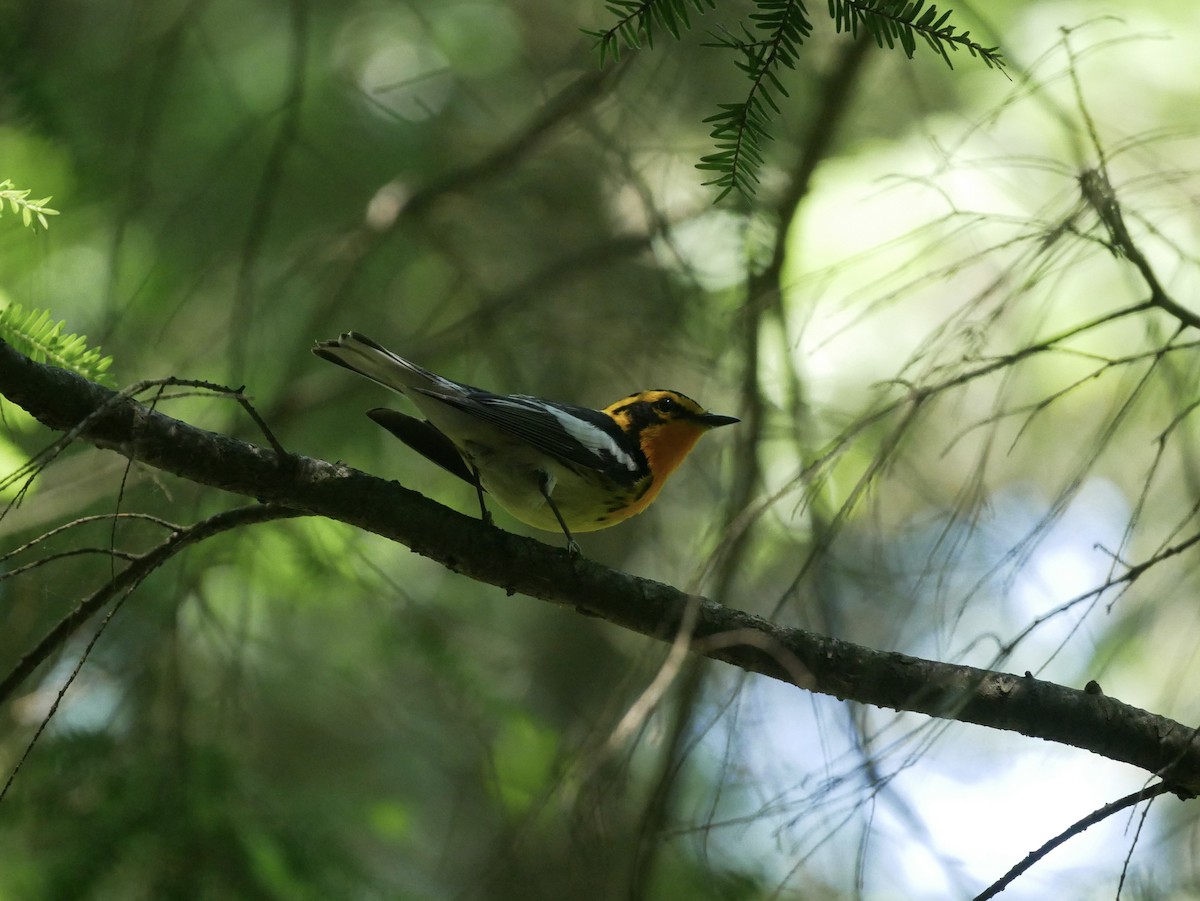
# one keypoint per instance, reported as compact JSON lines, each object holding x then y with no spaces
{"x":666,"y":425}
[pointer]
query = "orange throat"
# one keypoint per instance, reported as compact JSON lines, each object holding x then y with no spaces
{"x":665,"y":447}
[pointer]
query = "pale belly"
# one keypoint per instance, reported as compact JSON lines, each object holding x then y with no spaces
{"x":584,"y":505}
{"x":512,"y":474}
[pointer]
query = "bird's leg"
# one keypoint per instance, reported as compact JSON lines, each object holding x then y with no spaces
{"x":544,"y":487}
{"x":484,"y":513}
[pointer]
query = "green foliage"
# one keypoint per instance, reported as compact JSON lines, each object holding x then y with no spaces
{"x":901,"y":22}
{"x":769,"y":44}
{"x":636,"y":21}
{"x":33,"y":332}
{"x":39,"y":337}
{"x":740,"y":129}
{"x":19,"y":201}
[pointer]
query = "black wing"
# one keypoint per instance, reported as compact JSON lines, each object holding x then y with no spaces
{"x":426,"y":440}
{"x":569,"y":433}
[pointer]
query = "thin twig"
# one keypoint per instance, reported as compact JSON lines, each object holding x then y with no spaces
{"x":84,"y":520}
{"x":1096,"y":816}
{"x":130,"y":577}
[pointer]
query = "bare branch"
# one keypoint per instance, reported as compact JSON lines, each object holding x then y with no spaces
{"x":1096,"y":816}
{"x":130,"y":577}
{"x":1036,"y":708}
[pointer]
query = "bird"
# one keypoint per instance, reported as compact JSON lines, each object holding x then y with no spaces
{"x":554,"y":466}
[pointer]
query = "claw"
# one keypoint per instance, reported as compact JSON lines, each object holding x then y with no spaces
{"x":544,"y":486}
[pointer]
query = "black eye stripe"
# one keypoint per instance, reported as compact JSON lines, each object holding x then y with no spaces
{"x":654,"y":408}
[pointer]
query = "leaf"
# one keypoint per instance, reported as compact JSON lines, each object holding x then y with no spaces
{"x":19,"y":202}
{"x":771,"y":36}
{"x":741,"y":129}
{"x":40,"y":338}
{"x":892,"y":21}
{"x":637,"y":21}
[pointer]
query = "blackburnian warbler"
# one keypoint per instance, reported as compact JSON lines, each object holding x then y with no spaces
{"x":551,"y":465}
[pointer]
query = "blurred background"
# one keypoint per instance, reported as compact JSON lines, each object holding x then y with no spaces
{"x":301,"y":710}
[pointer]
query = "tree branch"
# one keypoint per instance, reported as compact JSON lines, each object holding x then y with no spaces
{"x":1148,"y":793}
{"x":1087,"y":720}
{"x":140,"y":567}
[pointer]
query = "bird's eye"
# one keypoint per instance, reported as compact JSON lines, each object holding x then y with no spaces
{"x":666,"y":405}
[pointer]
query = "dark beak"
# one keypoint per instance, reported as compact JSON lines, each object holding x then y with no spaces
{"x":712,"y":420}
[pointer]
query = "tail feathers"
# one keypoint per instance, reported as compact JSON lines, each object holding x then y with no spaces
{"x":360,"y":354}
